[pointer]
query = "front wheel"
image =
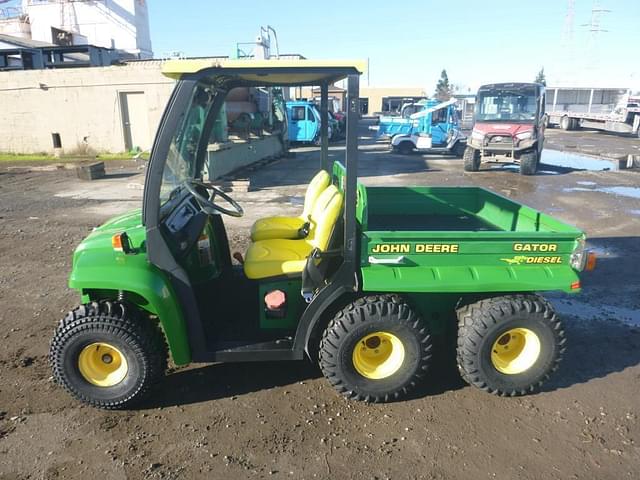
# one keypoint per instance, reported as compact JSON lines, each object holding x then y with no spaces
{"x":376,"y":349}
{"x":471,"y":158}
{"x":509,"y":345}
{"x":106,"y":355}
{"x":529,"y":163}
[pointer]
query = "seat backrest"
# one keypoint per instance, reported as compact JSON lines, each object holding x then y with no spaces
{"x":317,"y":185}
{"x":324,"y":217}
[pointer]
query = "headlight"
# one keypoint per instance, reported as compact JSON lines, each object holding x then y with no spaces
{"x":582,"y":258}
{"x":524,"y":135}
{"x":476,"y":135}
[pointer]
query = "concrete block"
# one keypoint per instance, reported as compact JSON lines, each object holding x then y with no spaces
{"x":91,"y":171}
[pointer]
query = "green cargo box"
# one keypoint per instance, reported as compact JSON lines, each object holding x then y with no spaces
{"x":462,"y":240}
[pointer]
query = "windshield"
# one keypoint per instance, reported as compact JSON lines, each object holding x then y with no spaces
{"x":201,"y":141}
{"x":183,"y":149}
{"x":506,"y":106}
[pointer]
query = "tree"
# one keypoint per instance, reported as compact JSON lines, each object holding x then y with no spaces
{"x":540,"y":78}
{"x":444,"y":89}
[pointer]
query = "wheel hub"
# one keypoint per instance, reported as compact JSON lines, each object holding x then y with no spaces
{"x":102,"y":364}
{"x":378,"y":355}
{"x":515,"y":351}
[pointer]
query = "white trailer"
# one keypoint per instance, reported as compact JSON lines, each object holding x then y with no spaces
{"x":607,"y":109}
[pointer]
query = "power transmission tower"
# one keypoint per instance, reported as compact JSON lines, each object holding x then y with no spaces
{"x":567,"y":32}
{"x":594,"y":27}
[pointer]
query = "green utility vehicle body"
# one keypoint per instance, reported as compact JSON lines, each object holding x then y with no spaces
{"x":361,"y":282}
{"x":414,"y":240}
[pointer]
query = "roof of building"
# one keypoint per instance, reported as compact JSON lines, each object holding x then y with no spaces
{"x":23,"y":42}
{"x":268,"y":72}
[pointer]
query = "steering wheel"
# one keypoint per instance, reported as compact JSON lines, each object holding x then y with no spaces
{"x":207,"y":204}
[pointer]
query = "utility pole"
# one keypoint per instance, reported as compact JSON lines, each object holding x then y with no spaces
{"x":594,"y":28}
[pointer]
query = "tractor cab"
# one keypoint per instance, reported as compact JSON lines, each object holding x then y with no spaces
{"x":262,"y":308}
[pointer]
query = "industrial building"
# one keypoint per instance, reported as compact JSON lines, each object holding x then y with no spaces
{"x":121,"y":25}
{"x":115,"y":101}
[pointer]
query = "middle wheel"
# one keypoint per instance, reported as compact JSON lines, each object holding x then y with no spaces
{"x":375,"y":349}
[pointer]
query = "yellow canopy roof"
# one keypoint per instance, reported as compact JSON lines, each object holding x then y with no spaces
{"x":272,"y":72}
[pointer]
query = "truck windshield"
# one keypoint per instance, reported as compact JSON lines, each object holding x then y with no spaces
{"x":506,"y":106}
{"x":183,"y":149}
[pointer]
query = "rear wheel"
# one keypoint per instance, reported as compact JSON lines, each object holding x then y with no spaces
{"x":405,"y":147}
{"x":566,"y":123}
{"x":471,"y":158}
{"x":106,"y":355}
{"x":376,"y":349}
{"x":509,"y":345}
{"x":529,"y":163}
{"x":458,"y":149}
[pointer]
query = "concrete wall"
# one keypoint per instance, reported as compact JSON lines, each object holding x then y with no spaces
{"x":82,"y":105}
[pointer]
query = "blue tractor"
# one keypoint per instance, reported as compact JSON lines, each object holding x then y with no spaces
{"x":427,"y":126}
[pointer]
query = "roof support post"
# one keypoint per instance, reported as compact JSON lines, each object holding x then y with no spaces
{"x":324,"y":127}
{"x":351,"y":194}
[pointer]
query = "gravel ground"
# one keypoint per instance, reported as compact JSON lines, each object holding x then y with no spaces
{"x":268,"y":420}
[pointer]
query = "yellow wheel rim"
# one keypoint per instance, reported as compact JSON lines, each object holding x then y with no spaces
{"x":515,"y":351}
{"x":378,"y":355}
{"x":102,"y":364}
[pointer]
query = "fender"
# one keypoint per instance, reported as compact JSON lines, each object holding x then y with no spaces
{"x":99,"y":271}
{"x":395,"y":141}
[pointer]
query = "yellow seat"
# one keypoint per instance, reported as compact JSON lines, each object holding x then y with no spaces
{"x":274,"y":257}
{"x":289,"y":227}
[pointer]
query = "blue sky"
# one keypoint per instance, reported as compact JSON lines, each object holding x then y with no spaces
{"x":408,"y":43}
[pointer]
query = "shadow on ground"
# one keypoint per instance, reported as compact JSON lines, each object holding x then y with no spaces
{"x":213,"y":382}
{"x":595,"y":349}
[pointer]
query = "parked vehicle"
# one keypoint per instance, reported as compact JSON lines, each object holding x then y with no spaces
{"x":508,"y":126}
{"x":304,"y":122}
{"x":362,"y":279}
{"x":426,"y":126}
{"x":338,"y":122}
{"x":390,"y":125}
{"x":607,"y":109}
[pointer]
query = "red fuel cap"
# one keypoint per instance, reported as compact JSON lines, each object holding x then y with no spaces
{"x":275,"y":299}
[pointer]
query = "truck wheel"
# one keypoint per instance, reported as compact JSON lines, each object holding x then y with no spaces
{"x":459,"y":149}
{"x":509,"y":345}
{"x":405,"y":148}
{"x":471,"y":159}
{"x":528,"y":163}
{"x":106,"y":356}
{"x":375,"y":349}
{"x":566,"y":123}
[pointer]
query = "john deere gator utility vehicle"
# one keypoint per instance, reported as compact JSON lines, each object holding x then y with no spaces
{"x":360,"y":281}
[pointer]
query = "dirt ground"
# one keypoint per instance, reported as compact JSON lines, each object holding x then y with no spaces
{"x":282,"y":420}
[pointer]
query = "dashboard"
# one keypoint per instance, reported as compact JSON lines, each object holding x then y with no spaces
{"x":182,"y":222}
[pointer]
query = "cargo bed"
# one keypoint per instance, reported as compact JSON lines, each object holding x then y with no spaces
{"x":461,"y":239}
